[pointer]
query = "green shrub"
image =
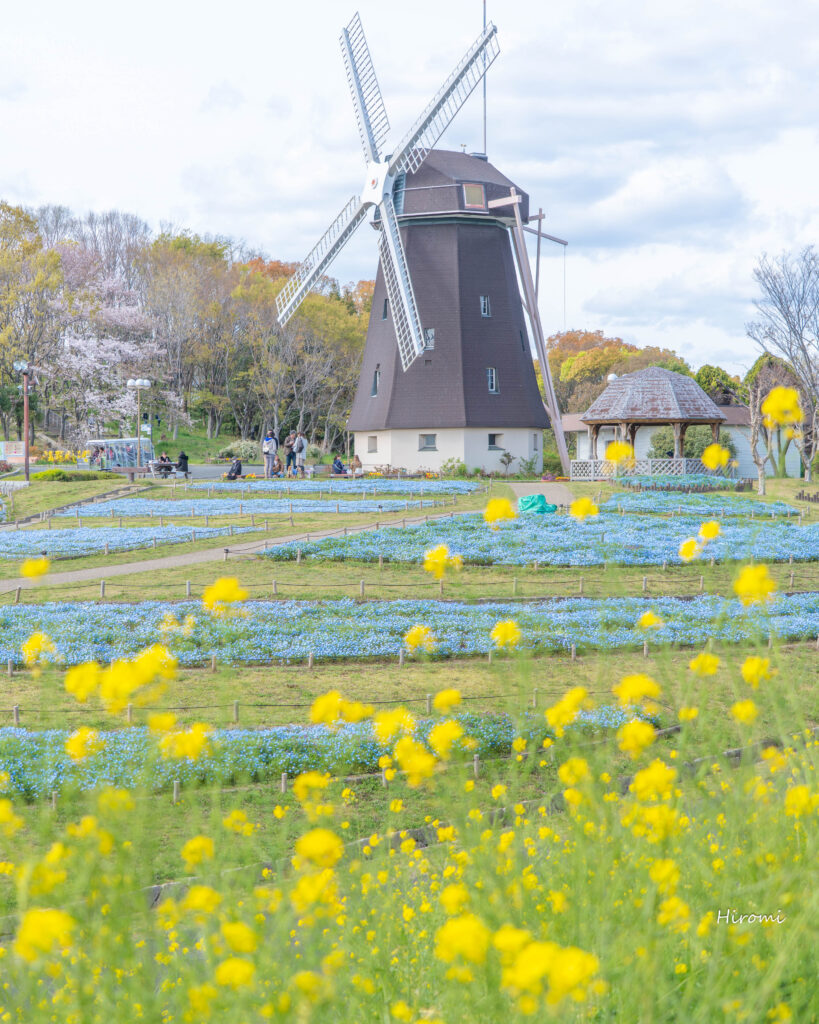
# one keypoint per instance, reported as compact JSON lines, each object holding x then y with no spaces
{"x":247,"y":451}
{"x":697,"y":440}
{"x":65,"y":476}
{"x":454,"y":467}
{"x":551,"y":464}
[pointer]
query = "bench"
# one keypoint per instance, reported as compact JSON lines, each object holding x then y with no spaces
{"x":132,"y":471}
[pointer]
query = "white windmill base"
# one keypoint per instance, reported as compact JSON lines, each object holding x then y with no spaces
{"x":409,"y":450}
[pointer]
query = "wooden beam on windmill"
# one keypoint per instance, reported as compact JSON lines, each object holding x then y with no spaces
{"x":531,"y":306}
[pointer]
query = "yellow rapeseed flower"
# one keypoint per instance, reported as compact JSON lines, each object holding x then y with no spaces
{"x":582,"y":508}
{"x":648,"y":620}
{"x":443,"y":735}
{"x":437,"y":560}
{"x":320,"y":847}
{"x":235,"y":972}
{"x":326,"y":709}
{"x":82,"y":680}
{"x":635,"y":688}
{"x":41,"y":930}
{"x":559,"y":715}
{"x":419,"y":638}
{"x":414,"y":759}
{"x":10,"y":822}
{"x":309,"y":783}
{"x":445,"y":700}
{"x":506,"y":634}
{"x":186,"y":744}
{"x":709,"y":530}
{"x":498,"y":509}
{"x":745,"y":712}
{"x":799,"y":801}
{"x":573,"y":771}
{"x":83,"y":743}
{"x":665,"y":874}
{"x":754,"y":585}
{"x":34,"y":567}
{"x":704,"y":664}
{"x":653,"y":782}
{"x":387,"y":724}
{"x":161,"y":722}
{"x":201,"y":900}
{"x":755,"y":670}
{"x":689,"y":549}
{"x":782,"y":408}
{"x":688,"y":714}
{"x":221,"y":594}
{"x":463,"y":937}
{"x":37,"y":648}
{"x":635,"y":737}
{"x":196,"y":851}
{"x":674,"y":914}
{"x":715,"y":457}
{"x":619,"y":452}
{"x":240,"y":937}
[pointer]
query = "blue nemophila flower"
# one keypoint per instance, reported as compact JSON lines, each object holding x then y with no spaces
{"x":85,"y":540}
{"x":719,"y":505}
{"x":199,"y":506}
{"x":373,"y":487}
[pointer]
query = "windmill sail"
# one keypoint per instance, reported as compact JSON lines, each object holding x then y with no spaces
{"x":446,"y":103}
{"x":404,"y":309}
{"x":319,"y":258}
{"x":370,"y":112}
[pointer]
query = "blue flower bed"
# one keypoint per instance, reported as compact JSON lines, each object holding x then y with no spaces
{"x":3,"y":511}
{"x":366,"y":486}
{"x":659,"y":482}
{"x":562,"y":540}
{"x":345,"y":629}
{"x":706,"y":505}
{"x":92,"y":540}
{"x":38,"y":765}
{"x":132,"y":507}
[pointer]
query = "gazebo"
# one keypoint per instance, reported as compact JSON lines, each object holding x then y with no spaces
{"x":651,"y":397}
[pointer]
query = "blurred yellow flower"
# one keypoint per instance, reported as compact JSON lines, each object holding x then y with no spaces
{"x":235,"y":972}
{"x":635,"y":737}
{"x":582,"y":508}
{"x":755,"y":670}
{"x":10,"y":822}
{"x":37,"y":648}
{"x":688,"y":714}
{"x":800,"y":801}
{"x":498,"y":509}
{"x":573,"y":771}
{"x":619,"y":452}
{"x":83,"y":743}
{"x":438,"y":560}
{"x":221,"y":594}
{"x":653,"y":782}
{"x":704,"y":664}
{"x":201,"y":900}
{"x":689,"y":549}
{"x":506,"y":634}
{"x":745,"y":712}
{"x":196,"y":851}
{"x":414,"y":759}
{"x":187,"y":744}
{"x":443,"y":735}
{"x":82,"y":680}
{"x":781,"y":407}
{"x":445,"y":700}
{"x":465,"y":937}
{"x":161,"y":722}
{"x":559,"y":715}
{"x":326,"y":709}
{"x":665,"y":874}
{"x":34,"y":567}
{"x":754,"y":585}
{"x":387,"y":724}
{"x":239,"y":937}
{"x":308,"y":783}
{"x":41,"y":930}
{"x":709,"y":530}
{"x":674,"y":914}
{"x":498,"y":790}
{"x":320,"y":847}
{"x":420,"y":637}
{"x":715,"y":457}
{"x":634,"y":688}
{"x":648,"y":620}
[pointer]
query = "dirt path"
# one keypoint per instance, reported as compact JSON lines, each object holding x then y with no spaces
{"x":217,"y":554}
{"x":555,"y":494}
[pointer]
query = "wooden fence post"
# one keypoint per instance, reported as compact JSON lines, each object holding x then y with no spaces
{"x":102,"y":588}
{"x":187,"y":588}
{"x":15,"y":715}
{"x":213,"y":662}
{"x":283,"y":783}
{"x":236,"y":712}
{"x":176,"y":791}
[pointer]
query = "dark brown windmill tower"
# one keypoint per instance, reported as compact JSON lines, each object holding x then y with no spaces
{"x":447,"y":371}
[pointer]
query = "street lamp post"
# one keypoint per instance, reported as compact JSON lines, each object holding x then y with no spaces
{"x":138,"y":384}
{"x":22,"y":367}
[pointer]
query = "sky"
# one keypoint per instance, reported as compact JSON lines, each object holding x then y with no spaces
{"x":671,"y":145}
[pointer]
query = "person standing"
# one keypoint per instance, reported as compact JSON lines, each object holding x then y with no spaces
{"x":289,"y":454}
{"x":300,"y":448}
{"x":270,"y":446}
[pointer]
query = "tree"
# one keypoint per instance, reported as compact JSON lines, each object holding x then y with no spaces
{"x":720,"y":386}
{"x":788,"y":327}
{"x":768,"y":372}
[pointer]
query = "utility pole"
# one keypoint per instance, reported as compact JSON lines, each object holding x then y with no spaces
{"x":23,"y":367}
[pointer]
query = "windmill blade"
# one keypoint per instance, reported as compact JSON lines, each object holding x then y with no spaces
{"x":405,"y":317}
{"x":319,"y":258}
{"x":446,"y":103}
{"x":370,"y":113}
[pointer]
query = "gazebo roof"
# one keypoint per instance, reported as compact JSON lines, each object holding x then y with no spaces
{"x":653,"y":395}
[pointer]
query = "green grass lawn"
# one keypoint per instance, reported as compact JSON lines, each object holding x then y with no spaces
{"x":42,"y":495}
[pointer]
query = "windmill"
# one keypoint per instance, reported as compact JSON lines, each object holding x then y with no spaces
{"x":400,"y":409}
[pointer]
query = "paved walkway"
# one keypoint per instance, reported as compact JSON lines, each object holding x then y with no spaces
{"x":217,"y":554}
{"x":555,"y":494}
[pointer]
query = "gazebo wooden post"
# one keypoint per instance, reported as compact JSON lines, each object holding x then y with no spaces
{"x":715,"y":432}
{"x":594,"y":431}
{"x":678,"y":440}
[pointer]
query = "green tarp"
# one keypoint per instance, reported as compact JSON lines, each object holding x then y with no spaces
{"x":535,"y":503}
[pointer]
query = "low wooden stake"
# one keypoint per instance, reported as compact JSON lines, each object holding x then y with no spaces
{"x":441,"y":587}
{"x":176,"y":791}
{"x":476,"y":765}
{"x":106,"y":547}
{"x":187,"y":588}
{"x":645,"y":584}
{"x":10,"y":667}
{"x":283,"y":783}
{"x":514,"y":586}
{"x":429,"y":703}
{"x":102,"y":588}
{"x":18,"y":591}
{"x":361,"y":588}
{"x":213,"y":662}
{"x":534,"y":697}
{"x":580,"y":590}
{"x":310,"y":660}
{"x":400,"y":658}
{"x":275,"y":587}
{"x":380,"y":560}
{"x":53,"y":799}
{"x":15,"y":714}
{"x":298,"y":555}
{"x":702,"y":583}
{"x":645,"y":648}
{"x":236,"y":712}
{"x":574,"y":652}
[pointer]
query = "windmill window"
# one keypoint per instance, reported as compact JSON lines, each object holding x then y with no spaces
{"x":372,"y":443}
{"x":474,"y":197}
{"x":522,"y":342}
{"x":376,"y":382}
{"x":495,"y":442}
{"x":429,"y":337}
{"x":427,"y":362}
{"x":486,"y":308}
{"x":385,"y":311}
{"x":492,"y":380}
{"x":427,"y":442}
{"x":534,"y":441}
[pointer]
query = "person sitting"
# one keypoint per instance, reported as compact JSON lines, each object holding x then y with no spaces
{"x":164,"y":465}
{"x":235,"y":470}
{"x":337,"y":469}
{"x":355,"y":466}
{"x":276,"y":467}
{"x":182,"y":464}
